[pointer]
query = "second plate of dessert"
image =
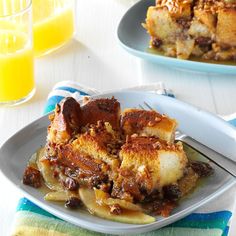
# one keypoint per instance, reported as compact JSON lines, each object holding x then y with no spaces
{"x":134,"y":38}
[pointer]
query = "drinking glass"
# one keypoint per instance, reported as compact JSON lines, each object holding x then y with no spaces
{"x":53,"y":24}
{"x":16,"y":52}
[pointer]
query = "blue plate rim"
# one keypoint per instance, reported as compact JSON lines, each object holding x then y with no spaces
{"x":164,"y":60}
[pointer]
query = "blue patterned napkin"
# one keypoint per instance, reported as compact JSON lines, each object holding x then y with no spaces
{"x":211,"y":220}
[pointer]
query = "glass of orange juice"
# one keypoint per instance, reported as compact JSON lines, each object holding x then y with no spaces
{"x":16,"y":52}
{"x":53,"y":24}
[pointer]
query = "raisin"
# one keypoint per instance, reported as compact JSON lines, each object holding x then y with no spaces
{"x":157,"y":42}
{"x":32,"y":177}
{"x":171,"y":192}
{"x":71,"y":184}
{"x":73,"y":203}
{"x":203,"y":41}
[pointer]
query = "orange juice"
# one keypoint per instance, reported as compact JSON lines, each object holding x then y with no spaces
{"x":53,"y":24}
{"x":16,"y":66}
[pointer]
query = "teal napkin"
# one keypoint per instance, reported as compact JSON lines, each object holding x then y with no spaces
{"x":31,"y":220}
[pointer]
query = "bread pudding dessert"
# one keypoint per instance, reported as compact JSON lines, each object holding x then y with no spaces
{"x":193,"y":28}
{"x":121,"y":165}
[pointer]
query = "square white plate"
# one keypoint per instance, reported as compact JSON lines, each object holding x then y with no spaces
{"x":196,"y":123}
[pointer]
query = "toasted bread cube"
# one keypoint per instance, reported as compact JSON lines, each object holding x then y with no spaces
{"x":70,"y":156}
{"x":100,"y":142}
{"x":207,"y":18}
{"x":184,"y":48}
{"x":198,"y":29}
{"x":165,"y":163}
{"x":160,"y":24}
{"x":149,"y":123}
{"x":92,"y":153}
{"x":226,"y":27}
{"x":151,"y":162}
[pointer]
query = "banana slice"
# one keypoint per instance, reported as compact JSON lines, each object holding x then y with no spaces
{"x":59,"y":196}
{"x":103,"y":198}
{"x":47,"y":171}
{"x":56,"y":196}
{"x":131,"y":217}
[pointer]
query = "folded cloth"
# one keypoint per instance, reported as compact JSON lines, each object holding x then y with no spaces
{"x":212,"y":219}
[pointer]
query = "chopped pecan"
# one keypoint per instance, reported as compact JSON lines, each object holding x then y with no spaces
{"x":115,"y":209}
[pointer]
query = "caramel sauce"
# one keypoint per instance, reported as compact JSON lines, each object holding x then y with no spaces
{"x":165,"y":208}
{"x":196,"y":59}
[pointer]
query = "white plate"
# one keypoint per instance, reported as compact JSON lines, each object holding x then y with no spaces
{"x":203,"y":126}
{"x":134,"y":38}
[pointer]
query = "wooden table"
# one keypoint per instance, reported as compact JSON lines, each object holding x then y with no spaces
{"x":95,"y":59}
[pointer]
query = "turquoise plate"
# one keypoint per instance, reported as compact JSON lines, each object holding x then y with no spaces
{"x":134,"y":38}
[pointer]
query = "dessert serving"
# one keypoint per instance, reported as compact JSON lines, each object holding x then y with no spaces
{"x":193,"y":28}
{"x":120,"y":165}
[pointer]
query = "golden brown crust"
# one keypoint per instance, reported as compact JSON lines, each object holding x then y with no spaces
{"x":97,"y":134}
{"x":139,"y":119}
{"x":74,"y":159}
{"x":83,"y":168}
{"x":104,"y":109}
{"x":149,"y":123}
{"x":66,"y":121}
{"x":226,"y":27}
{"x":101,"y":143}
{"x":147,"y":144}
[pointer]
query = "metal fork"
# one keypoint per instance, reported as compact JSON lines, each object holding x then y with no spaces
{"x":220,"y":160}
